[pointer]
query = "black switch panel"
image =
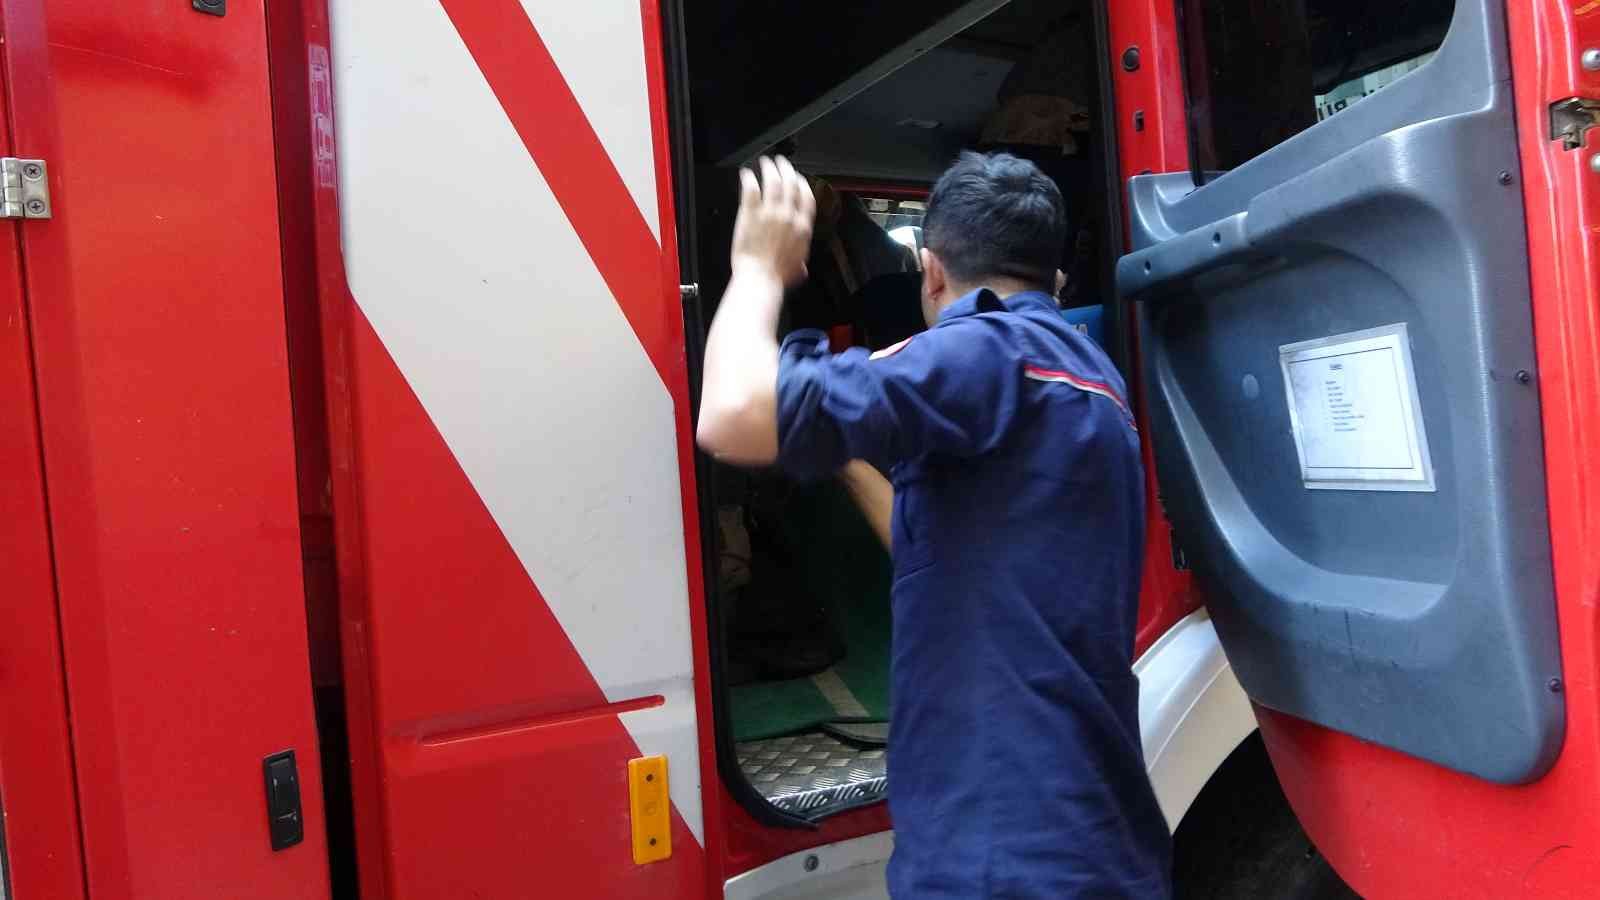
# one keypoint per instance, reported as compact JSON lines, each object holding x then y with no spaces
{"x":284,"y":821}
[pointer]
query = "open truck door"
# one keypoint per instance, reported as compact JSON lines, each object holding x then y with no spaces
{"x":1368,"y":351}
{"x":508,"y":414}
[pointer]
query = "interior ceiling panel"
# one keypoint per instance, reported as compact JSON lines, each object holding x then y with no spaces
{"x":773,"y":68}
{"x":911,"y":124}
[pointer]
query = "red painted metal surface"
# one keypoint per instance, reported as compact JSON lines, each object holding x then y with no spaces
{"x":501,"y":759}
{"x":1397,"y":827}
{"x":292,"y":77}
{"x":893,"y":190}
{"x":1153,"y":95}
{"x":751,"y":844}
{"x":157,"y":321}
{"x":519,"y":738}
{"x":305,"y":137}
{"x":37,"y":793}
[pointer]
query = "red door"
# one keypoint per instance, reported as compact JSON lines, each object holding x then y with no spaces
{"x":1420,"y":642}
{"x":508,"y":407}
{"x":151,"y":358}
{"x":1399,"y":827}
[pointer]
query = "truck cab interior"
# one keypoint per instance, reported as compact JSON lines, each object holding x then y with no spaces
{"x":871,"y":102}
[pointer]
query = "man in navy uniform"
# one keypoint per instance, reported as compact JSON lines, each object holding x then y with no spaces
{"x":1015,"y":768}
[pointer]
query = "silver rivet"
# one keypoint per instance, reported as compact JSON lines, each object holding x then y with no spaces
{"x":1591,"y":59}
{"x":1594,"y":163}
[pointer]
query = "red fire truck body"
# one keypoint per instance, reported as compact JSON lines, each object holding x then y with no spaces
{"x":355,"y":540}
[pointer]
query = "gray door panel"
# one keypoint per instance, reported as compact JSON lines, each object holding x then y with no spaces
{"x":1423,"y":620}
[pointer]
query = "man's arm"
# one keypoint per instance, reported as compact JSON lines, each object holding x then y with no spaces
{"x":873,"y":494}
{"x":771,"y":238}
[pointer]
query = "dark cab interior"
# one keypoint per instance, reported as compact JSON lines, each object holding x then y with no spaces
{"x":872,"y":102}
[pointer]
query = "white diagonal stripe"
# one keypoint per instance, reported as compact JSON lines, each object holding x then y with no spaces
{"x":513,"y":343}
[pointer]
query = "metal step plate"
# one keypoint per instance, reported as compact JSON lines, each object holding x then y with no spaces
{"x":814,"y":774}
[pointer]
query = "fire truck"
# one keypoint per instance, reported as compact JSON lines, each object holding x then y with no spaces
{"x":355,"y":542}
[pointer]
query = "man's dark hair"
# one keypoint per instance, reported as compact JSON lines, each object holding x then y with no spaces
{"x":994,"y":214}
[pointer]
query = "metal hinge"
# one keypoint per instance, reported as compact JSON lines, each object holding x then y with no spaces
{"x":26,"y":188}
{"x":1571,"y":119}
{"x":689,"y":293}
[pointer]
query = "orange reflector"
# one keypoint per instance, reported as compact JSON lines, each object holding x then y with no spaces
{"x":651,"y":808}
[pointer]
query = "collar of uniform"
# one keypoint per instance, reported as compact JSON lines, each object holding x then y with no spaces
{"x":984,"y":300}
{"x":1032,"y":301}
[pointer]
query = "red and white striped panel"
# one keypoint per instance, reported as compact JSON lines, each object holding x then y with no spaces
{"x":503,"y":243}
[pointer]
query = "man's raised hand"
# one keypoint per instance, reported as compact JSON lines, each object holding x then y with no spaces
{"x":772,"y":233}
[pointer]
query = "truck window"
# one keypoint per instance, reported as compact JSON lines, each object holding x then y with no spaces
{"x":1261,"y":71}
{"x":902,"y":219}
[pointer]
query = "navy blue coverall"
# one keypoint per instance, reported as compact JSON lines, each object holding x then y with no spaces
{"x":1015,"y":768}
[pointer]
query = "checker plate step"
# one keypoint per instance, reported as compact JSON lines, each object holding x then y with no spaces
{"x":814,"y":774}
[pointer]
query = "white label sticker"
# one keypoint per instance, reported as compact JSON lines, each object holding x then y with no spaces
{"x":1354,"y":411}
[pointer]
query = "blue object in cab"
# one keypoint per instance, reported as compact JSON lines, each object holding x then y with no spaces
{"x":1088,"y":320}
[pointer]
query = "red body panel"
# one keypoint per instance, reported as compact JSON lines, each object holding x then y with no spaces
{"x":481,"y":703}
{"x":156,"y":311}
{"x":293,"y":83}
{"x":36,"y":782}
{"x":1397,"y":827}
{"x":453,"y":623}
{"x":146,"y":371}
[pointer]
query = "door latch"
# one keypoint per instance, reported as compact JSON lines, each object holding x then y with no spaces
{"x":1571,"y":119}
{"x":285,"y":825}
{"x":24,"y":188}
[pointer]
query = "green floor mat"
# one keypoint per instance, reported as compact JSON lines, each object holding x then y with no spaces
{"x":843,"y":563}
{"x":767,"y":709}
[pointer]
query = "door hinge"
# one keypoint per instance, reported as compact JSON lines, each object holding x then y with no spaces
{"x":689,"y":293}
{"x":26,"y":192}
{"x":1571,"y":119}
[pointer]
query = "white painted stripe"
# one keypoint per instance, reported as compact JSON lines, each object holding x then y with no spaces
{"x":1087,"y":387}
{"x":508,"y":335}
{"x":599,"y":47}
{"x":838,"y":694}
{"x":890,"y":350}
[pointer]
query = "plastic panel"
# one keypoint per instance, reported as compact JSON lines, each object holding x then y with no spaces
{"x":1421,"y":621}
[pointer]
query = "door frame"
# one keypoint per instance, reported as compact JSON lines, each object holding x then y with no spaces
{"x":37,"y":783}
